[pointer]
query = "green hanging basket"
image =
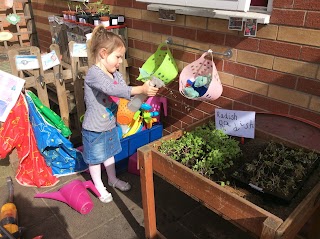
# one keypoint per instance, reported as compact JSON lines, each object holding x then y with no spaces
{"x":160,"y":64}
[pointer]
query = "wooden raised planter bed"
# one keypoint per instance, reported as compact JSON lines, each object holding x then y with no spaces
{"x":239,"y":211}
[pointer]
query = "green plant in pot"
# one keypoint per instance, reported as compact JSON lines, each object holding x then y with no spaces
{"x":103,"y":10}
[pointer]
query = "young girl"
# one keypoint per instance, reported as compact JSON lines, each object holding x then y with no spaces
{"x":102,"y":85}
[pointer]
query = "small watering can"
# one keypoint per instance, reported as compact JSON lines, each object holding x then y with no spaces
{"x":155,"y":102}
{"x":75,"y":195}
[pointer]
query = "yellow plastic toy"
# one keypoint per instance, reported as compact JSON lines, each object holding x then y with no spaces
{"x":135,"y":125}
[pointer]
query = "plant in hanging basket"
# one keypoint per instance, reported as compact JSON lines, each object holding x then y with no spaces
{"x":278,"y":170}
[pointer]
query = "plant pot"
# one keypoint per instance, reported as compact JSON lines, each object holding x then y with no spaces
{"x":227,"y":201}
{"x":105,"y":21}
{"x":65,"y":15}
{"x":72,"y":16}
{"x":113,"y":20}
{"x":94,"y":17}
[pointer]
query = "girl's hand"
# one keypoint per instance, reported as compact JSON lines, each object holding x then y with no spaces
{"x":148,"y":89}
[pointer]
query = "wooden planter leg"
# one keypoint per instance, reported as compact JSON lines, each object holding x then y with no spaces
{"x":269,"y":229}
{"x":147,"y":191}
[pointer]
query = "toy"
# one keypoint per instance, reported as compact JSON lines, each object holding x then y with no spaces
{"x":8,"y":216}
{"x":135,"y":125}
{"x":197,"y":88}
{"x":75,"y":195}
{"x":124,"y":115}
{"x":155,"y":102}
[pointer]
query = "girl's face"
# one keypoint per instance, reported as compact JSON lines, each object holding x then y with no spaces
{"x":112,"y":61}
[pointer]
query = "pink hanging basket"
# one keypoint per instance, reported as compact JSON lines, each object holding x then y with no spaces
{"x":201,"y":67}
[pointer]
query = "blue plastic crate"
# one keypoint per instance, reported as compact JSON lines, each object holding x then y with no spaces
{"x":132,"y":143}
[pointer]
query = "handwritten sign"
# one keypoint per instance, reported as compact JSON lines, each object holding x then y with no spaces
{"x":235,"y":122}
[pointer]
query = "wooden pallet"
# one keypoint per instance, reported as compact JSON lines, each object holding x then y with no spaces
{"x":24,"y":32}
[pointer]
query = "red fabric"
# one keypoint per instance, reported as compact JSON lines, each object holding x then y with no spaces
{"x":16,"y":132}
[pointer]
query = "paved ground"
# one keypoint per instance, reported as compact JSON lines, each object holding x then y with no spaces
{"x":178,"y":216}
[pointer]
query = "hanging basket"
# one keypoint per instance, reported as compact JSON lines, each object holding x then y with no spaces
{"x":161,"y":64}
{"x":205,"y":69}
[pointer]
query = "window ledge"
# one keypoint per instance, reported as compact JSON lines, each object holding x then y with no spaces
{"x":263,"y":18}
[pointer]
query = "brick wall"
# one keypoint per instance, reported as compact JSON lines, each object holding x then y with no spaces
{"x":276,"y":71}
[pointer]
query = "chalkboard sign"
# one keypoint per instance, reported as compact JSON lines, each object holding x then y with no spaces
{"x":235,"y":122}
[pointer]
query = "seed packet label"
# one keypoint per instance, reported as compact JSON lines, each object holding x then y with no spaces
{"x":27,"y":62}
{"x":79,"y":50}
{"x":235,"y":122}
{"x":49,"y":60}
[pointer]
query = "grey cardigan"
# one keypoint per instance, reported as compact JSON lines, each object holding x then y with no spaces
{"x":100,"y":97}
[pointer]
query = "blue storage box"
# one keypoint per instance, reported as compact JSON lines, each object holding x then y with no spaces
{"x":131,"y":143}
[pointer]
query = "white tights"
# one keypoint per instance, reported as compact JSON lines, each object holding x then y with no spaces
{"x":95,"y":172}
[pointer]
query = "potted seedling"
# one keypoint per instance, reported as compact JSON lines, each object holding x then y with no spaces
{"x":278,"y":170}
{"x":103,"y":11}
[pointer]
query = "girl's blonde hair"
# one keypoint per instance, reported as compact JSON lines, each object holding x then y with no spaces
{"x":101,"y":38}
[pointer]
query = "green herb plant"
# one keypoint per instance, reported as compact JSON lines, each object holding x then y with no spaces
{"x":205,"y":150}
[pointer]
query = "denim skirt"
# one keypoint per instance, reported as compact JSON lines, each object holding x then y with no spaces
{"x":99,"y":146}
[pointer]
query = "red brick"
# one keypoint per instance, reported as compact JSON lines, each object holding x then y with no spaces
{"x":309,"y":86}
{"x":210,"y":37}
{"x":307,"y":4}
{"x":206,"y":107}
{"x":134,"y":72}
{"x":269,"y":104}
{"x":110,"y":2}
{"x":219,"y":64}
{"x":138,"y":62}
{"x":237,"y":94}
{"x":224,"y":102}
{"x":141,"y":25}
{"x":182,"y":116}
{"x":276,"y":78}
{"x":283,"y":3}
{"x":310,"y":54}
{"x":280,"y":49}
{"x":243,"y":43}
{"x":161,"y":28}
{"x":145,"y":46}
{"x":140,"y":5}
{"x":129,"y":22}
{"x":184,"y":32}
{"x":240,"y":70}
{"x":130,"y":42}
{"x":241,"y":106}
{"x":312,"y":20}
{"x":184,"y":56}
{"x":39,"y":19}
{"x":122,"y":3}
{"x":195,"y":113}
{"x":287,"y":17}
{"x":305,"y":114}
